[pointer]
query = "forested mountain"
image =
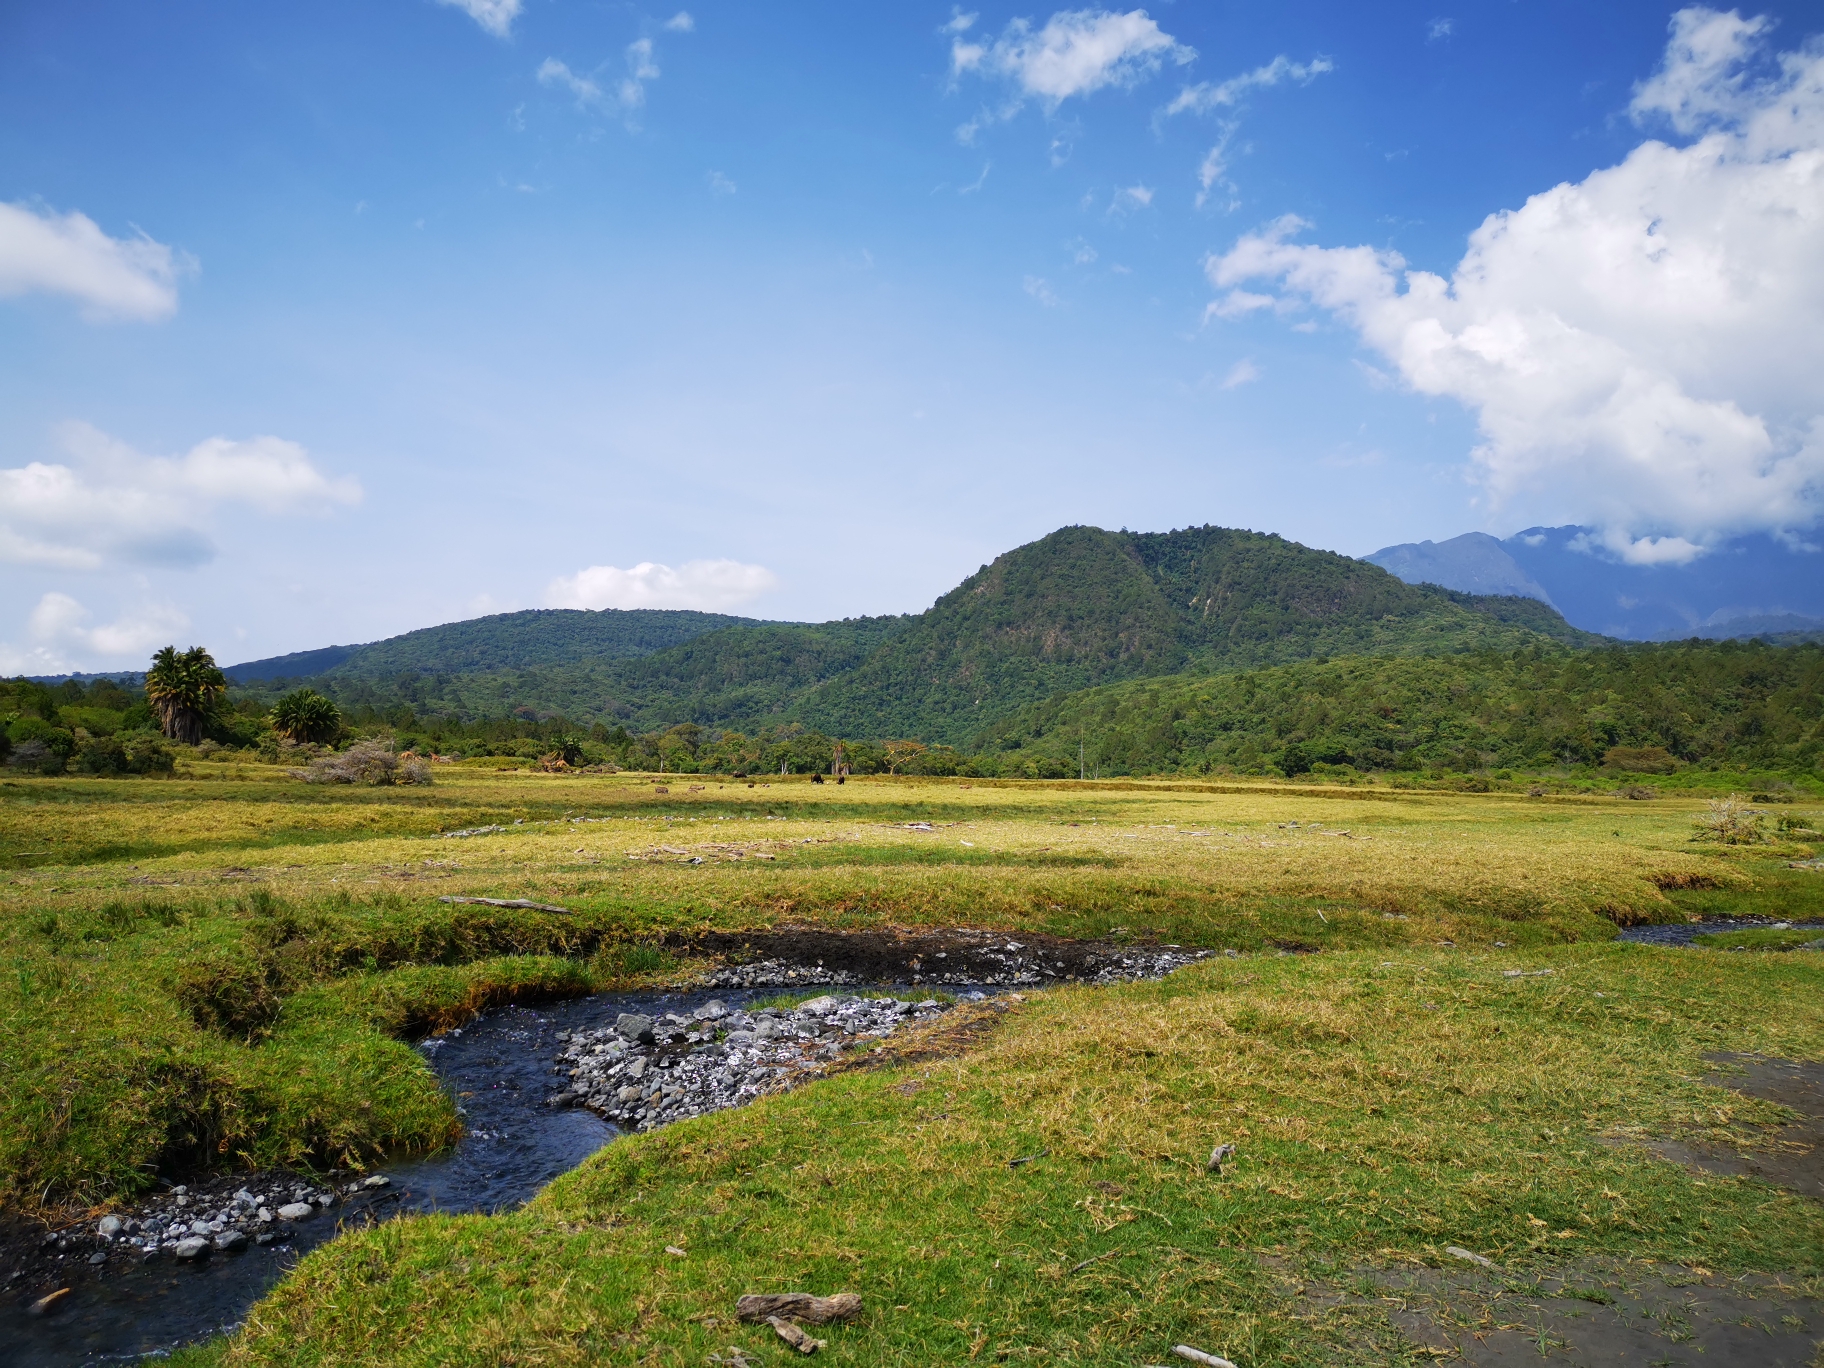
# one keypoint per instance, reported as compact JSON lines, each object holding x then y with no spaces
{"x":1075,"y":609}
{"x":500,"y":641}
{"x":1083,"y":607}
{"x":1736,"y":703}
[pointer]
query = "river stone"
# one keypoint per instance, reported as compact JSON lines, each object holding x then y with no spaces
{"x":230,"y":1240}
{"x":376,"y":1180}
{"x":819,"y":1006}
{"x":713,"y":1010}
{"x":193,"y":1248}
{"x":632,"y":1026}
{"x":637,"y":1069}
{"x":109,"y":1226}
{"x":297,"y":1211}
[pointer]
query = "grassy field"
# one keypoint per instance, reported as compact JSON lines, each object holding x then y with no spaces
{"x":226,"y":967}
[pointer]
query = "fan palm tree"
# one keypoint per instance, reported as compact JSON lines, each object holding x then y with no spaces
{"x":183,"y":689}
{"x":306,"y":715}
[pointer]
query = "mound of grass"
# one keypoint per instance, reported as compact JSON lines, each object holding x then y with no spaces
{"x":1382,"y":1110}
{"x":1767,"y":938}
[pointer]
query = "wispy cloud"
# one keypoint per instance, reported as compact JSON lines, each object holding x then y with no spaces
{"x":1076,"y":53}
{"x":1131,"y":197}
{"x":556,"y":75}
{"x":719,"y":184}
{"x":1206,"y":95}
{"x":1243,"y":372}
{"x":1439,"y":29}
{"x":1040,"y":289}
{"x":629,"y":94}
{"x":705,"y":585}
{"x":978,"y":182}
{"x":44,"y":252}
{"x":681,"y":22}
{"x":496,"y":16}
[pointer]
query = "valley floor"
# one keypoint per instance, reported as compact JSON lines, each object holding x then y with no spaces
{"x":231,"y":967}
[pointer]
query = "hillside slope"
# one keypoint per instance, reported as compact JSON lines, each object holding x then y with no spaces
{"x":1748,"y":704}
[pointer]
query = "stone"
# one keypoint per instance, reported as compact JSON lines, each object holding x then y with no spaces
{"x":98,"y":1257}
{"x":200,"y":1228}
{"x":376,"y":1180}
{"x":108,"y":1227}
{"x":713,"y":1010}
{"x":265,"y":1215}
{"x":631,"y":1026}
{"x":819,"y":1006}
{"x":297,"y":1211}
{"x":230,"y":1240}
{"x":193,"y":1248}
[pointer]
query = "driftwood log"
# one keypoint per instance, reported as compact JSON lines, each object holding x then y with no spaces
{"x":800,"y":1340}
{"x":509,"y":902}
{"x":798,"y":1306}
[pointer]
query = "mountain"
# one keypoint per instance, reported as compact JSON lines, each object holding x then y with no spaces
{"x":501,"y":641}
{"x":1084,"y":606}
{"x":1733,"y":703}
{"x":1075,"y":609}
{"x":1752,"y":586}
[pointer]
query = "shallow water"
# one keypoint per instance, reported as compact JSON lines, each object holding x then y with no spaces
{"x":1686,"y":933}
{"x":500,"y":1069}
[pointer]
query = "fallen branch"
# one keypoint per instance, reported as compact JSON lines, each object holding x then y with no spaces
{"x":1093,"y":1258}
{"x":510,"y":902}
{"x":801,"y":1306}
{"x":1184,"y":1351}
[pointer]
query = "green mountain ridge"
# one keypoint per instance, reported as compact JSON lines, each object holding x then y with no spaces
{"x":1079,"y":608}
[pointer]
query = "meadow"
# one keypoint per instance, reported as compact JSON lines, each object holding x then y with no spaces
{"x":227,"y":966}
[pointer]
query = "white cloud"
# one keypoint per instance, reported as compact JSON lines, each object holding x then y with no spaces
{"x":496,"y":16}
{"x":1078,"y":52}
{"x":1081,"y":253}
{"x":1212,"y":175}
{"x":107,"y":505}
{"x":629,"y":91}
{"x":959,"y":22}
{"x":1206,"y":96}
{"x":1641,"y":347}
{"x":1132,"y":197}
{"x":1040,"y":289}
{"x":130,"y":278}
{"x":708,"y":585}
{"x":681,"y":22}
{"x":719,"y":184}
{"x":1243,"y":372}
{"x":1439,"y":29}
{"x":59,"y":626}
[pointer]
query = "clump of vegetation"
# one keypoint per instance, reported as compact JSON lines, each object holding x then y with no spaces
{"x":184,"y":690}
{"x":1731,"y":821}
{"x":305,"y":716}
{"x":370,"y":762}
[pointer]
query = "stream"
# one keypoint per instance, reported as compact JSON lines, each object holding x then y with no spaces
{"x":499,"y":1069}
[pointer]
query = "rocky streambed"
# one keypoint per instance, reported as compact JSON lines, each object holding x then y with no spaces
{"x":645,"y":1071}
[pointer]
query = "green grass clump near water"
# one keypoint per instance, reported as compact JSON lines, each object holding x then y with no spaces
{"x":1382,"y":1109}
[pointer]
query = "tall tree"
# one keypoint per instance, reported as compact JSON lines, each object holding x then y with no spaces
{"x":183,"y":689}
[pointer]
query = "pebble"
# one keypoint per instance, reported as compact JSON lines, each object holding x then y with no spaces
{"x":297,"y":1211}
{"x":678,"y":1066}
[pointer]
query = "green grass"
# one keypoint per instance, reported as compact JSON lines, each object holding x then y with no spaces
{"x":1381,"y":1110}
{"x":1765,"y":938}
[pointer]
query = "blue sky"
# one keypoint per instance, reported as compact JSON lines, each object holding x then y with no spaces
{"x":379,"y":315}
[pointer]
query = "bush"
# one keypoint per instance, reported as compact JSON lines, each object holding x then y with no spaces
{"x":1730,"y":821}
{"x":365,"y":762}
{"x":130,"y":754}
{"x":1640,"y":759}
{"x":35,"y":757}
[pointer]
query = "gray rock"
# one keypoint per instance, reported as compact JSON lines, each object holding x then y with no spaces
{"x":297,"y":1211}
{"x":631,"y":1026}
{"x":108,"y":1227}
{"x":230,"y":1240}
{"x":819,"y":1006}
{"x":200,"y":1228}
{"x":376,"y":1180}
{"x":193,"y":1248}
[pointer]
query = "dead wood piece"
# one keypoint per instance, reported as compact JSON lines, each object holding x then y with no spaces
{"x":1218,"y":1157}
{"x":510,"y":902}
{"x":795,"y":1337}
{"x":46,"y":1302}
{"x":1184,"y":1351}
{"x":799,"y":1306}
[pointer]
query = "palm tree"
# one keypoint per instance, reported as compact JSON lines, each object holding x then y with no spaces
{"x":183,"y":690}
{"x":306,"y":715}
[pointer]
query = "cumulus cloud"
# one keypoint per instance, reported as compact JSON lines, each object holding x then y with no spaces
{"x":708,"y":585}
{"x":59,"y":636}
{"x":115,"y":278}
{"x":1076,"y":53}
{"x":681,"y":22}
{"x":556,"y":75}
{"x":496,"y":16}
{"x":106,"y":505}
{"x":1641,"y":347}
{"x":1207,"y":95}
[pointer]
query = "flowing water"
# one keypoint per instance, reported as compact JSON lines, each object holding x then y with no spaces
{"x":498,"y":1068}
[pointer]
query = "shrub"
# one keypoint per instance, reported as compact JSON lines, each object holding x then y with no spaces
{"x":1640,"y":759}
{"x":1731,"y":821}
{"x":35,"y":757}
{"x":306,"y":715}
{"x":130,"y":754}
{"x":365,"y":762}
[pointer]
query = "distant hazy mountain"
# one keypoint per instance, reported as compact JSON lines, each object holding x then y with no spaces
{"x":1753,"y":586}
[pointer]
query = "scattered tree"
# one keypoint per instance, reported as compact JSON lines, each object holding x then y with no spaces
{"x":304,"y":715}
{"x":184,"y":690}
